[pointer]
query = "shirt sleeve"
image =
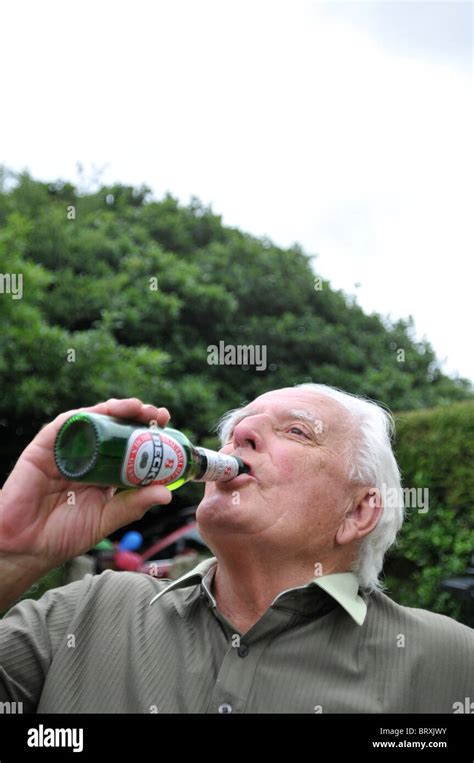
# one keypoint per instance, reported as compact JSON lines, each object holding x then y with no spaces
{"x":30,"y":634}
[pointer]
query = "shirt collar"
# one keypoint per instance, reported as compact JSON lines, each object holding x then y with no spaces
{"x":342,"y":586}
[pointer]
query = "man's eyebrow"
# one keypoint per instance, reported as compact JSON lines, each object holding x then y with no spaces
{"x":318,"y":426}
{"x":234,"y":417}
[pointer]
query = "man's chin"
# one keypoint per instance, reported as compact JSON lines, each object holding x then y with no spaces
{"x":222,"y":509}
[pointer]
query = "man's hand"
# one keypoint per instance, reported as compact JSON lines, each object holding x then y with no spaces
{"x":39,"y":526}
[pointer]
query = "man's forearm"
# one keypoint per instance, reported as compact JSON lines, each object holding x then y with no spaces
{"x":17,"y":574}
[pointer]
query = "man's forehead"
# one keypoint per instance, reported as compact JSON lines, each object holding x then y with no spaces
{"x":319,"y":405}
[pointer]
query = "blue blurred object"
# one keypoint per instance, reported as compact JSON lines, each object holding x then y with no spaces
{"x":131,"y":541}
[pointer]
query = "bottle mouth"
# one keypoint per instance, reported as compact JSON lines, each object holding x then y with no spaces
{"x":76,"y":448}
{"x":243,"y":467}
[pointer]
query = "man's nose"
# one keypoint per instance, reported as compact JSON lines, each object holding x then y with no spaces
{"x":246,"y":436}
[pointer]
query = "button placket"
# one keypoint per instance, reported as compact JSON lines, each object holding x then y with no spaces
{"x":236,"y":675}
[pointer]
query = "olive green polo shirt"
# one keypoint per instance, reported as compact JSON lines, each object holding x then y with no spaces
{"x":343,"y":587}
{"x":124,"y":642}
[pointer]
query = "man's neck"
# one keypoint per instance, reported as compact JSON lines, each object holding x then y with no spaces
{"x":244,"y":592}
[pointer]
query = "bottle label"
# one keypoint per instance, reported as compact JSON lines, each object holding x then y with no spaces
{"x":219,"y":466}
{"x":154,"y":458}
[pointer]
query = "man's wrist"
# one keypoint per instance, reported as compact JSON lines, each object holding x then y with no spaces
{"x":17,"y":573}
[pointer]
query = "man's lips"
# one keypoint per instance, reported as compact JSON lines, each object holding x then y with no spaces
{"x":249,"y":467}
{"x":241,"y":479}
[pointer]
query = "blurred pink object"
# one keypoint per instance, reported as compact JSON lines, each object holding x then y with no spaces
{"x":128,"y":560}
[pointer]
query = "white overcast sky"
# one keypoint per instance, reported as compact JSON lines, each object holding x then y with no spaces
{"x":344,"y":126}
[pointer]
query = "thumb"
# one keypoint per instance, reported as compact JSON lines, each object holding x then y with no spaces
{"x":130,"y":505}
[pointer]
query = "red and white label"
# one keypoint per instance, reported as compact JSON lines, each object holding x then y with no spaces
{"x":152,"y":458}
{"x":220,"y":467}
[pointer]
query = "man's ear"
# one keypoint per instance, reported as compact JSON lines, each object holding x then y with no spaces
{"x":362,"y":519}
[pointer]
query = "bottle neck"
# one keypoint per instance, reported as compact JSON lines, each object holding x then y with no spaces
{"x":218,"y":467}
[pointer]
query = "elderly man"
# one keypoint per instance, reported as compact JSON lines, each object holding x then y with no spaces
{"x":288,"y":616}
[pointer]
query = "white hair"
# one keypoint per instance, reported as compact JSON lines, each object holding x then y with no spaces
{"x":371,"y":462}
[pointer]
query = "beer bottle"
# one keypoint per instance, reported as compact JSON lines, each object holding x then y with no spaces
{"x":105,"y":450}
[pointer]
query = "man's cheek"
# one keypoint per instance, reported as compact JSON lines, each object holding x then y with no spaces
{"x":309,"y":468}
{"x":287,"y":469}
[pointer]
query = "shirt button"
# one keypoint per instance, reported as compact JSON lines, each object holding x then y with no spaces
{"x":243,"y":650}
{"x":225,"y":708}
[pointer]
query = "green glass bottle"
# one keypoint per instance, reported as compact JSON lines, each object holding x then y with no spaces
{"x":104,"y":450}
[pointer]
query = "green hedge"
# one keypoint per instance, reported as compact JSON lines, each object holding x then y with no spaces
{"x":435,"y":450}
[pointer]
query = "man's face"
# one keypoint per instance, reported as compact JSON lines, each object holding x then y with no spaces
{"x":298,"y":492}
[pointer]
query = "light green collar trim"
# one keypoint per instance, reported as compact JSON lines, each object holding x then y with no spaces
{"x":342,"y":586}
{"x":194,"y":576}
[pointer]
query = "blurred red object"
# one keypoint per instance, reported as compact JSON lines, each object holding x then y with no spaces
{"x":128,"y":560}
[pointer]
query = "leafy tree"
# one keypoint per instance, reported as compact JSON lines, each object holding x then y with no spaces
{"x":123,"y":294}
